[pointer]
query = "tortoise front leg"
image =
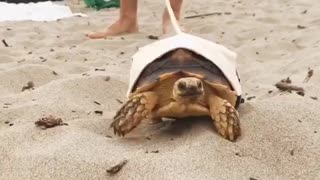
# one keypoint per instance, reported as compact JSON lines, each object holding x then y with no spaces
{"x":225,"y":116}
{"x":133,"y":111}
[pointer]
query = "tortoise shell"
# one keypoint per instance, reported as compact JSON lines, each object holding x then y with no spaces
{"x":182,"y":60}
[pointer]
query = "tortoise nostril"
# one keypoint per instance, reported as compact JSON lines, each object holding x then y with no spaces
{"x":182,"y":85}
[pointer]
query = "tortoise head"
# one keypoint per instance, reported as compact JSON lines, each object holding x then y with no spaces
{"x":188,"y":90}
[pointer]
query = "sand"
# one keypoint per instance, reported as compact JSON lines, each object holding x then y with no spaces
{"x":281,"y":131}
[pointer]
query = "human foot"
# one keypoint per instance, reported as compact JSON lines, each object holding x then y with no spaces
{"x":118,"y":28}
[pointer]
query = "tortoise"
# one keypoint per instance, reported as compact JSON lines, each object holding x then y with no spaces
{"x":180,"y":84}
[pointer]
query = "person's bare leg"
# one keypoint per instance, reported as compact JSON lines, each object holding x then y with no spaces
{"x":176,"y":7}
{"x":127,"y":23}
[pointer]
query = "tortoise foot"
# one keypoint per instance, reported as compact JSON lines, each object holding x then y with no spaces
{"x":226,"y":119}
{"x":132,"y":112}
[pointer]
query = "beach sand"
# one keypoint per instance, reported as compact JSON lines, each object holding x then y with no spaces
{"x":281,"y":131}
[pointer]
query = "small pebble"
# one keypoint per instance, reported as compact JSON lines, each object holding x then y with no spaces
{"x":314,"y":98}
{"x":153,"y":37}
{"x":98,"y":112}
{"x":107,"y":78}
{"x":301,"y":27}
{"x":251,"y":97}
{"x":242,"y":100}
{"x":96,"y":102}
{"x":108,"y":136}
{"x":292,"y":152}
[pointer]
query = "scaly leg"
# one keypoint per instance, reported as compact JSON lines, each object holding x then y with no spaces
{"x":226,"y":117}
{"x":133,"y":111}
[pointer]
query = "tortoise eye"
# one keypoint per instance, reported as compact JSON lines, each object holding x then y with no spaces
{"x":199,"y":83}
{"x":182,"y":85}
